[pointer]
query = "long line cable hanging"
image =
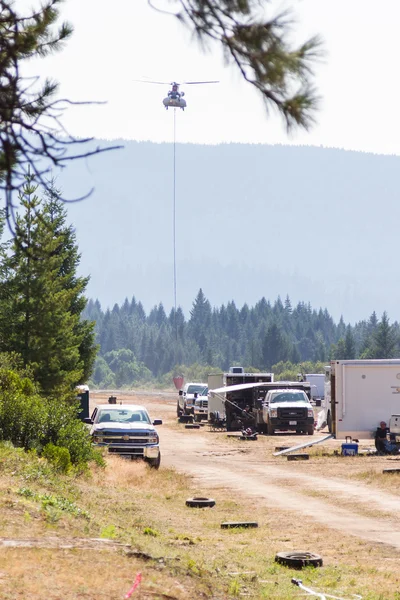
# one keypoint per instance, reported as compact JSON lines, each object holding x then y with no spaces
{"x":174,"y":230}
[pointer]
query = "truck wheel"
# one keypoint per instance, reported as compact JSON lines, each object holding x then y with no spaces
{"x":310,"y":430}
{"x":154,"y":463}
{"x":270,"y":429}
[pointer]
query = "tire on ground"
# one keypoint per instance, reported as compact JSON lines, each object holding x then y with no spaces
{"x":298,"y":560}
{"x":200,"y":502}
{"x":154,"y":463}
{"x":238,"y":524}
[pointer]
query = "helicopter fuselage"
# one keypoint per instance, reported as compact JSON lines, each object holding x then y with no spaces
{"x":175,"y":101}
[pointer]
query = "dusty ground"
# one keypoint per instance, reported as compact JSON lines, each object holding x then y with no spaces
{"x":134,"y":520}
{"x":346,"y":494}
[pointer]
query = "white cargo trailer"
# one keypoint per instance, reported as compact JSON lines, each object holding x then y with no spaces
{"x":362,"y":393}
{"x":317,"y":381}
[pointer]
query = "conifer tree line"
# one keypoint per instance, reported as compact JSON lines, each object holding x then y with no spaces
{"x":135,"y":346}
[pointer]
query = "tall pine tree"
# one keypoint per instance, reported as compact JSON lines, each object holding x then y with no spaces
{"x":42,"y":297}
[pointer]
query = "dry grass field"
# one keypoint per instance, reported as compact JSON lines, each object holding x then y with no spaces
{"x":87,"y":537}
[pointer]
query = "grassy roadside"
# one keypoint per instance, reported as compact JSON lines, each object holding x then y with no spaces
{"x":181,"y":552}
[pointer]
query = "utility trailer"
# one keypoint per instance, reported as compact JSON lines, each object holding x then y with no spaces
{"x":359,"y":394}
{"x":228,"y":412}
{"x":243,"y":405}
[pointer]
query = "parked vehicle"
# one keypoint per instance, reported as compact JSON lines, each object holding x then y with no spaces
{"x":288,"y":410}
{"x":243,"y":404}
{"x":200,"y":408}
{"x":127,"y":430}
{"x":317,"y":381}
{"x":359,"y":394}
{"x":186,"y":397}
{"x":229,"y":405}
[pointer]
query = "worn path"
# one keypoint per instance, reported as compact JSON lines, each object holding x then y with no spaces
{"x":319,"y":491}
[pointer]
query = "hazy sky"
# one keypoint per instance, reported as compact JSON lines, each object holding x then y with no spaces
{"x":117,"y":42}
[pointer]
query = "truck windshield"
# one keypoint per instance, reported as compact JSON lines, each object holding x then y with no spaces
{"x":288,"y":397}
{"x":121,"y":415}
{"x":193,"y":389}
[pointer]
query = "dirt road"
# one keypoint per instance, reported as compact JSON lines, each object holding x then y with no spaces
{"x":327,"y":490}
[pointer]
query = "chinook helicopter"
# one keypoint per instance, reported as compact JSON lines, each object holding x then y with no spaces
{"x":174,"y":98}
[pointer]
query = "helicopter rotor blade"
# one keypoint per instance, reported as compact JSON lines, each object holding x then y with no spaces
{"x":197,"y":82}
{"x":156,"y":82}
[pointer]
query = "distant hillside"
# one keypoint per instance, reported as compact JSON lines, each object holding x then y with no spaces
{"x":252,"y":221}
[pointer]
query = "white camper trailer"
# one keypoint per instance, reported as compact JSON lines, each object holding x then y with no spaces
{"x":360,"y":394}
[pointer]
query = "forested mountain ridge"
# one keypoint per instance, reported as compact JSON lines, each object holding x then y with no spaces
{"x":135,"y":346}
{"x":251,"y":221}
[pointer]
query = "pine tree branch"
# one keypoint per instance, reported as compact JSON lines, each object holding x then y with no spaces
{"x":31,"y":130}
{"x":259,"y":47}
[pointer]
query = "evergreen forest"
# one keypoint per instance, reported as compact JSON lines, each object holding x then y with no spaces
{"x":135,"y":347}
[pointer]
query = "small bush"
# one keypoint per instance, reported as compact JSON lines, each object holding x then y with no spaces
{"x":151,"y":532}
{"x":58,"y":456}
{"x":52,"y":503}
{"x":23,"y":413}
{"x":109,"y":532}
{"x":31,"y":422}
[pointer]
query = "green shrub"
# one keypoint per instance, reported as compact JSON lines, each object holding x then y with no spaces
{"x":31,"y":422}
{"x":151,"y":532}
{"x":58,"y":456}
{"x":59,"y":503}
{"x":64,"y":429}
{"x":109,"y":532}
{"x":23,"y":414}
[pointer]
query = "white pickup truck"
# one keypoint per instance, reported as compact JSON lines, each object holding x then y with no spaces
{"x":126,"y":430}
{"x":288,"y":410}
{"x":186,"y":398}
{"x":200,"y":407}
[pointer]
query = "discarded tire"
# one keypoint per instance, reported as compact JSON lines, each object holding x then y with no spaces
{"x":298,"y":560}
{"x":200,"y":502}
{"x":298,"y":456}
{"x":236,"y":524}
{"x":192,"y":426}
